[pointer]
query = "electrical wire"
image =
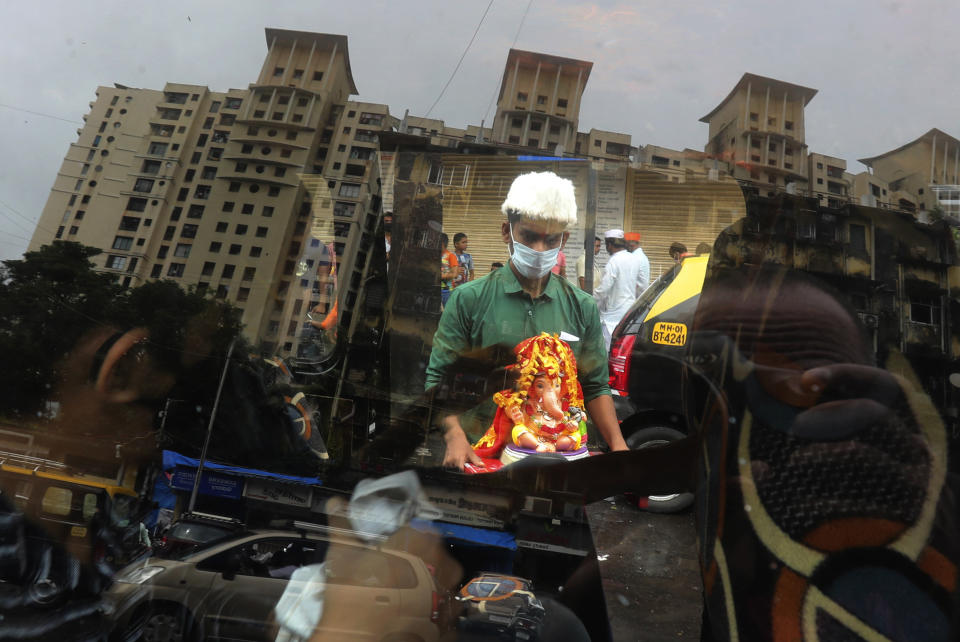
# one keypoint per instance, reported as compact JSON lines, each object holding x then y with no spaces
{"x":37,"y":113}
{"x":459,"y":62}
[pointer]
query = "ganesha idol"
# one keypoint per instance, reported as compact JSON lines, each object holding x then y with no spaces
{"x":543,"y":413}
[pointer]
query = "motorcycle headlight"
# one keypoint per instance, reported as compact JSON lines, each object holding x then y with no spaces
{"x":138,"y":575}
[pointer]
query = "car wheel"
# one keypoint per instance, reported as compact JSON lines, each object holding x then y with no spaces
{"x":651,"y":437}
{"x":168,"y":624}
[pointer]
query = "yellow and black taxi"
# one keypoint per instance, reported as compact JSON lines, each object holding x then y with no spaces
{"x":646,"y":357}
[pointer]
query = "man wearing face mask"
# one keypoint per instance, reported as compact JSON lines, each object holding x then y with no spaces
{"x":509,"y":305}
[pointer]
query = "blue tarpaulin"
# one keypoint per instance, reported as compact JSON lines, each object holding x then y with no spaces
{"x":171,"y":460}
{"x":471,"y":534}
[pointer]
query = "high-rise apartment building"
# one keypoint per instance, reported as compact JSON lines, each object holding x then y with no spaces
{"x":924,"y":173}
{"x":205,"y":188}
{"x":758,"y":129}
{"x":539,"y":101}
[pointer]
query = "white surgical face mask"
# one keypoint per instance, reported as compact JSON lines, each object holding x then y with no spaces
{"x":531,"y":263}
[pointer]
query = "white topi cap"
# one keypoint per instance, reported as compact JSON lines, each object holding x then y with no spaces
{"x":543,"y":196}
{"x":613,"y":234}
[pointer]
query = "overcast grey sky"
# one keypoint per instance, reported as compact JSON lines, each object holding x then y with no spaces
{"x":885,"y":70}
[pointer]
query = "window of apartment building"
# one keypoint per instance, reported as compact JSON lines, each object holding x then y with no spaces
{"x":788,"y":124}
{"x":291,"y":135}
{"x":129,"y":223}
{"x":819,"y":165}
{"x":215,"y":246}
{"x":222,"y":291}
{"x":73,"y":199}
{"x":195,"y":211}
{"x":241,"y":167}
{"x":925,"y":310}
{"x":91,"y":154}
{"x":195,"y":157}
{"x":175,"y":269}
{"x":155,"y":271}
{"x":255,"y":251}
{"x":536,"y":126}
{"x":214,"y":106}
{"x":169,"y":232}
{"x":267,"y":211}
{"x":299,"y":229}
{"x":279,"y":171}
{"x":261,"y":231}
{"x":283,"y":99}
{"x":234,"y":186}
{"x":208,"y":122}
{"x":208,"y":173}
{"x":819,"y":181}
{"x":182,"y":250}
{"x":103,"y":127}
{"x":189,"y":231}
{"x":243,"y":294}
{"x":85,"y":199}
{"x":175,"y":213}
{"x":228,"y":206}
{"x":562,"y":103}
{"x":240,"y":230}
{"x":533,"y":142}
{"x":336,"y":166}
{"x":222,"y":227}
{"x":84,"y":169}
{"x":273,"y":191}
{"x":227,"y":119}
{"x":514,"y":140}
{"x":264,"y":97}
{"x":349,"y":190}
{"x":202,"y":140}
{"x":788,"y":151}
{"x":188,"y":177}
{"x":143,"y":185}
{"x":278,"y":115}
{"x":754,"y":116}
{"x":249,"y":273}
{"x":136,"y":204}
{"x":521,"y":97}
{"x":74,"y":229}
{"x":361,"y":153}
{"x":247,"y":208}
{"x":284,"y":153}
{"x":183,"y":193}
{"x":202,"y":192}
{"x":207,"y":269}
{"x":277,"y":71}
{"x":771,"y":122}
{"x":303,"y":101}
{"x":80,"y":214}
{"x":122,"y":242}
{"x":234,"y":248}
{"x":858,"y":237}
{"x":772,"y":147}
{"x":597,"y":143}
{"x":516,"y":122}
{"x":228,"y":271}
{"x":541,"y":100}
{"x":344,"y":209}
{"x":220,"y":137}
{"x":258,"y":113}
{"x":214,"y":153}
{"x":317,"y":76}
{"x":115,"y":262}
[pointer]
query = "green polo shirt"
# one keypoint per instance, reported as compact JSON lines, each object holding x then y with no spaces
{"x":495,"y":312}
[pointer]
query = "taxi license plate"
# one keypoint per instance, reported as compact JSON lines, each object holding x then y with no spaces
{"x":669,"y":334}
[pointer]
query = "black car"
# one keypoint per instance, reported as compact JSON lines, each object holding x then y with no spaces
{"x":646,"y":356}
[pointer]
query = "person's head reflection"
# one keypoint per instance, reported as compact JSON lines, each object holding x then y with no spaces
{"x":819,"y":476}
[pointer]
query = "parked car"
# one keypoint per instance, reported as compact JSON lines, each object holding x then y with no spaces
{"x":500,"y":607}
{"x":192,"y":531}
{"x":646,"y":356}
{"x":228,"y":589}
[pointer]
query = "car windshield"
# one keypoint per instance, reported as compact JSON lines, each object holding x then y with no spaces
{"x":644,"y":314}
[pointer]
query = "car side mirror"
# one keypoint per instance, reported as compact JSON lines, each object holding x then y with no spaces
{"x":230,"y":567}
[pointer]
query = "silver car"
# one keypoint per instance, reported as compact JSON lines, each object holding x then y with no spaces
{"x":229,"y":590}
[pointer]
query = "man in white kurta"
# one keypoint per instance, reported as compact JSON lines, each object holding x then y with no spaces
{"x":618,"y":287}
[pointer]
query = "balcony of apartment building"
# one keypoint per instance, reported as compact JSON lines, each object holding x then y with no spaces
{"x":175,"y":97}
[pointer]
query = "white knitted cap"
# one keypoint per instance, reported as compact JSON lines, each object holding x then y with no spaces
{"x":544,"y":196}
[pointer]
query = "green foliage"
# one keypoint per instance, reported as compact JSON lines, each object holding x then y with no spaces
{"x":54,"y":296}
